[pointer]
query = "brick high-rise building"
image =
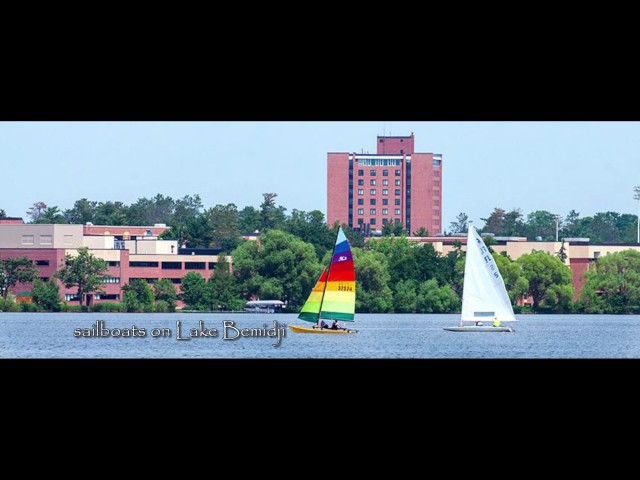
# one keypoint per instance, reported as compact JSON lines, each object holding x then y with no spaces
{"x":396,"y":184}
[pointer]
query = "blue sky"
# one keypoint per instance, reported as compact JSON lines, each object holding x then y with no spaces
{"x":556,"y":166}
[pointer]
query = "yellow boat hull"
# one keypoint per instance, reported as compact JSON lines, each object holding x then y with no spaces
{"x":298,"y":329}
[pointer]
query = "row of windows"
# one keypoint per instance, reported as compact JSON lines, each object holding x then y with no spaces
{"x":174,"y":265}
{"x":385,"y":191}
{"x":372,"y":182}
{"x":111,"y":280}
{"x":379,"y":162}
{"x":385,"y":201}
{"x":385,"y":173}
{"x":372,"y":211}
{"x":372,"y":221}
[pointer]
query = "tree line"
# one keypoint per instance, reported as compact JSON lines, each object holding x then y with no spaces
{"x":392,"y":275}
{"x":222,"y":226}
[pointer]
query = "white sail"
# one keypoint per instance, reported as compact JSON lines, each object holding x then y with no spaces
{"x":484,"y":296}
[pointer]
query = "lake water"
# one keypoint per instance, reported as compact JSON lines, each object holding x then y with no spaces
{"x":51,"y":335}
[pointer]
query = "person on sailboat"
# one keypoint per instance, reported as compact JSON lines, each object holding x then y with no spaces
{"x":323,"y":324}
{"x":336,"y":326}
{"x":496,"y":322}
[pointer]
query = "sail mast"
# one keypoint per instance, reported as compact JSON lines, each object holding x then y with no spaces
{"x":328,"y":271}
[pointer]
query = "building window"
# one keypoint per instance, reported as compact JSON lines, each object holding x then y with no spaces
{"x":360,"y":173}
{"x":212,"y":265}
{"x":397,"y":201}
{"x":194,"y":265}
{"x":397,"y":183}
{"x":27,"y":239}
{"x":360,"y":221}
{"x":385,"y":221}
{"x":385,"y":183}
{"x":107,"y":296}
{"x":360,"y":191}
{"x":143,"y":264}
{"x":397,"y":191}
{"x":372,"y":221}
{"x":372,"y":191}
{"x":385,"y":201}
{"x":397,"y":173}
{"x":397,"y":211}
{"x":113,"y":264}
{"x":436,"y":163}
{"x":177,"y":281}
{"x":41,"y":263}
{"x":385,"y":173}
{"x":372,"y":172}
{"x":360,"y":201}
{"x":385,"y":211}
{"x":361,"y":182}
{"x":372,"y":182}
{"x":111,"y":280}
{"x":46,"y":239}
{"x":372,"y":211}
{"x":361,"y":211}
{"x":72,"y":297}
{"x":171,"y":265}
{"x":385,"y":191}
{"x":372,"y":201}
{"x":396,"y":220}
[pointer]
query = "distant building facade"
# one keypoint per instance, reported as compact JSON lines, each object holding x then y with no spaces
{"x":131,"y":252}
{"x":395,"y":184}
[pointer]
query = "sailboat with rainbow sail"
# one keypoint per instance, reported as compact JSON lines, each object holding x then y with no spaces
{"x":334,"y":295}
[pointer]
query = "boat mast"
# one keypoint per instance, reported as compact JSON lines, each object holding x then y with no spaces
{"x":326,"y":280}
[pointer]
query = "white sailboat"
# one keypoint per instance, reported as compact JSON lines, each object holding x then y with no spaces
{"x":485,"y":302}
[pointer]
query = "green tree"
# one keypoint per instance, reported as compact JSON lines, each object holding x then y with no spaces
{"x":570,"y":227}
{"x":495,"y":223}
{"x":51,"y":215}
{"x":224,"y":286}
{"x":550,"y":283}
{"x":405,"y":296}
{"x":193,"y":290}
{"x":3,"y":214}
{"x":36,"y":211}
{"x":14,"y":271}
{"x":562,"y":253}
{"x":373,"y":294}
{"x":111,"y":213}
{"x":271,"y":216}
{"x":541,"y":224}
{"x":513,"y":225}
{"x":222,"y":220}
{"x":461,"y":224}
{"x":164,"y":290}
{"x":421,"y":232}
{"x":46,"y":295}
{"x":311,"y":227}
{"x":395,"y":229}
{"x":249,"y":220}
{"x":433,"y":298}
{"x":512,"y":274}
{"x":83,"y":211}
{"x":613,"y":286}
{"x":287,"y":261}
{"x":84,"y":271}
{"x":138,"y":296}
{"x":401,"y":261}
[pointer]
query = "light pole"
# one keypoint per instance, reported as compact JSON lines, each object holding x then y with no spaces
{"x":636,"y":196}
{"x":557,"y":219}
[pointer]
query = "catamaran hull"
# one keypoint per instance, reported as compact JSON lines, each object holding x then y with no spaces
{"x":478,"y":328}
{"x":298,"y":329}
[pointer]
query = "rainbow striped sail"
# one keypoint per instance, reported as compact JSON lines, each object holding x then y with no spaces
{"x":334,"y":295}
